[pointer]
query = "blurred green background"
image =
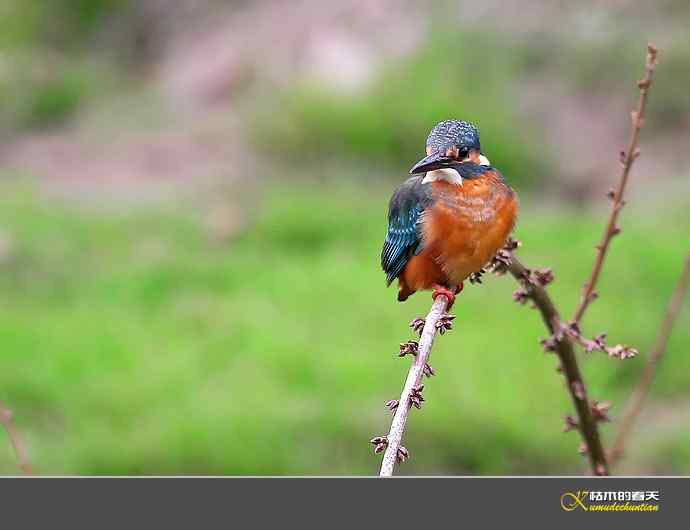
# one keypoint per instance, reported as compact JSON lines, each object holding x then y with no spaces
{"x":193,"y":197}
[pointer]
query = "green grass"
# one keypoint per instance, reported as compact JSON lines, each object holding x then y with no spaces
{"x":133,"y":343}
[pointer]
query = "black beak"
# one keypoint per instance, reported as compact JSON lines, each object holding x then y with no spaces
{"x":436,"y":160}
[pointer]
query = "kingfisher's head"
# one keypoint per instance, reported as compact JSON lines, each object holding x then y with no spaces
{"x":450,"y":142}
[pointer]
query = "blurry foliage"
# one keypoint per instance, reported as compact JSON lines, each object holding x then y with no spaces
{"x":48,"y":92}
{"x":54,"y":100}
{"x":59,"y":23}
{"x":462,"y":75}
{"x":614,"y":63}
{"x":47,"y":72}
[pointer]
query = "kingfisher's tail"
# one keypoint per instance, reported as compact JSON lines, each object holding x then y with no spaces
{"x":405,"y":292}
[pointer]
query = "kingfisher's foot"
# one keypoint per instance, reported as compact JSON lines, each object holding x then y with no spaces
{"x":441,"y":290}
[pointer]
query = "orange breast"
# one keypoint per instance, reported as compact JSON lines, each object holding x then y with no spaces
{"x":468,"y":224}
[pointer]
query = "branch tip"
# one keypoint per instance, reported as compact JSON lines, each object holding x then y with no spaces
{"x":626,"y":158}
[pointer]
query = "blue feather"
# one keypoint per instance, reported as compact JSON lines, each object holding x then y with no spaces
{"x":403,"y":239}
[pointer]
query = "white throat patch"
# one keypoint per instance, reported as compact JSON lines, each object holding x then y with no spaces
{"x":450,"y":175}
{"x":447,"y":174}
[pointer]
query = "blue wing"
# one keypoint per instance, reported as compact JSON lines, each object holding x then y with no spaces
{"x":403,"y":239}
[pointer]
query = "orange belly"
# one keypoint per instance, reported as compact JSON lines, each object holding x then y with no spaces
{"x":462,"y":231}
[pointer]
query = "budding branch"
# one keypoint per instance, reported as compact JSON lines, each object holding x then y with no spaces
{"x":563,"y":347}
{"x":411,"y":394}
{"x":627,"y":159}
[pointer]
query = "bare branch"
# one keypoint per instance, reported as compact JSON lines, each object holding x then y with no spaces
{"x":16,"y":440}
{"x":627,"y":159}
{"x":562,"y":345}
{"x":642,"y":390}
{"x":436,"y":320}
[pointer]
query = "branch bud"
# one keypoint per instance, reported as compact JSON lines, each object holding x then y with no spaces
{"x":392,"y":405}
{"x":402,"y":455}
{"x":600,"y":410}
{"x":578,"y":389}
{"x":418,"y":325}
{"x":445,"y":323}
{"x":410,"y":347}
{"x":380,"y":443}
{"x":570,"y":423}
{"x":521,"y":296}
{"x":416,"y":397}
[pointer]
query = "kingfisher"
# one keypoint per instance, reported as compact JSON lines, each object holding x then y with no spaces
{"x":450,"y":218}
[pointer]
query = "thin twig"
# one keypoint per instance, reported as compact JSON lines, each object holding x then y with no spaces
{"x":642,"y":390}
{"x":23,"y":460}
{"x":627,"y":159}
{"x":412,"y":386}
{"x":563,"y":347}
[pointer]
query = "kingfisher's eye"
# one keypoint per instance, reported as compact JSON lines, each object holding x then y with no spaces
{"x":463,"y":152}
